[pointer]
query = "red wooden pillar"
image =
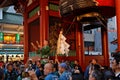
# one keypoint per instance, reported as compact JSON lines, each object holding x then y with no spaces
{"x":118,"y":21}
{"x":105,"y":51}
{"x":44,"y":21}
{"x":26,"y":54}
{"x":80,"y":45}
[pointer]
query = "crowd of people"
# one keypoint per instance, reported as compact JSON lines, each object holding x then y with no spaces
{"x":64,"y":70}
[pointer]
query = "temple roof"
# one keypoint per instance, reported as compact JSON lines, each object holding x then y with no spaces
{"x":5,"y":3}
{"x":12,"y":18}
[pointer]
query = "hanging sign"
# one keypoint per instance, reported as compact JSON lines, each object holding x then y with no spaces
{"x":17,"y":38}
{"x":1,"y":36}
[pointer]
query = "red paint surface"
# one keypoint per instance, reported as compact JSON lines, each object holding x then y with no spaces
{"x":118,"y":22}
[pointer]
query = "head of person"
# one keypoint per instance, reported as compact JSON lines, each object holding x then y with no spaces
{"x":25,"y":75}
{"x":116,"y":61}
{"x":94,"y":61}
{"x":17,"y":66}
{"x":48,"y":68}
{"x":76,"y":62}
{"x":96,"y":75}
{"x":96,"y":67}
{"x":38,"y":63}
{"x":62,"y":67}
{"x":10,"y":67}
{"x":30,"y":61}
{"x":109,"y":75}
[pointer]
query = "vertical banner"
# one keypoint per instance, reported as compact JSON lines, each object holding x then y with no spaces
{"x":17,"y":38}
{"x":1,"y":36}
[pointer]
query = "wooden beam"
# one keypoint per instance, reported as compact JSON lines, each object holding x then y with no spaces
{"x":118,"y":22}
{"x":26,"y":52}
{"x":33,"y":18}
{"x":105,"y":51}
{"x":54,"y":13}
{"x":44,"y":21}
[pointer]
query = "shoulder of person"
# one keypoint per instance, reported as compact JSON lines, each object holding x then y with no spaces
{"x":48,"y":77}
{"x":118,"y":76}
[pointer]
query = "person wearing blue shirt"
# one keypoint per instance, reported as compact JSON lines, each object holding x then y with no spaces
{"x":65,"y":75}
{"x":10,"y":73}
{"x":48,"y":71}
{"x":39,"y":70}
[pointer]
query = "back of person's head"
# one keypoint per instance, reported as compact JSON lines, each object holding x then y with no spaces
{"x":97,"y":67}
{"x":109,"y":75}
{"x":97,"y":75}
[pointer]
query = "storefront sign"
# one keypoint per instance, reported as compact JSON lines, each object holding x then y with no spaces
{"x":1,"y":36}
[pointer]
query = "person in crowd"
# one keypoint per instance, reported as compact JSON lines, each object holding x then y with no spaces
{"x":25,"y":76}
{"x":4,"y":67}
{"x":116,"y":65}
{"x":32,"y":75}
{"x":17,"y":70}
{"x":96,"y":75}
{"x":69,"y":68}
{"x":76,"y":64}
{"x":27,"y":67}
{"x":39,"y":70}
{"x":76,"y":75}
{"x":10,"y":74}
{"x":108,"y":75}
{"x":49,"y":72}
{"x":1,"y":74}
{"x":89,"y":67}
{"x":31,"y":65}
{"x":65,"y":75}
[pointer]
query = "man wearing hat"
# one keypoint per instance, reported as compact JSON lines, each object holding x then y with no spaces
{"x":116,"y":65}
{"x":65,"y":75}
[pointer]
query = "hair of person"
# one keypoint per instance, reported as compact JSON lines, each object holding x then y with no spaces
{"x":109,"y":74}
{"x":117,"y":57}
{"x":97,"y":75}
{"x":95,"y":60}
{"x":9,"y":65}
{"x":17,"y":65}
{"x":50,"y":65}
{"x":97,"y":67}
